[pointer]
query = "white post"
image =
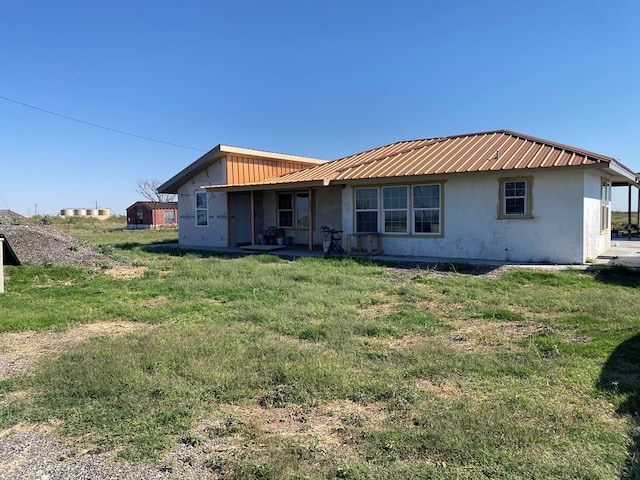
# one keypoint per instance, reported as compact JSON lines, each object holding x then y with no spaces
{"x":1,"y":265}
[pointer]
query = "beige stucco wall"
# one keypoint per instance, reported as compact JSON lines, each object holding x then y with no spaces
{"x":472,"y":229}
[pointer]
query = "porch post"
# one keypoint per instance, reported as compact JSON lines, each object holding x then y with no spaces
{"x":629,"y":210}
{"x":311,"y":214}
{"x":253,"y":219}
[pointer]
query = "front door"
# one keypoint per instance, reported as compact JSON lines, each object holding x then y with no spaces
{"x":240,"y":219}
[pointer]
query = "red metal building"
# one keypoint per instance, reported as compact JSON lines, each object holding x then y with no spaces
{"x":152,"y":215}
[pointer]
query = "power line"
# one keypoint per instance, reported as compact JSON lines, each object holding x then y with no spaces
{"x":100,"y":126}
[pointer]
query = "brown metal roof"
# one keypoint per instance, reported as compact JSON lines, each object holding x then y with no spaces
{"x":477,"y":152}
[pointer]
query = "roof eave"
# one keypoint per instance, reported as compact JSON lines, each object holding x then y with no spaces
{"x":620,"y":170}
{"x":172,"y":185}
{"x":267,"y":186}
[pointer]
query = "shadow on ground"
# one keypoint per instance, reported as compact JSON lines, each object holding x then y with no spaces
{"x":621,"y":375}
{"x":617,"y":275}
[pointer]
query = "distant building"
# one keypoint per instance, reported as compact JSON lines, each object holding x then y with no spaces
{"x":152,"y":215}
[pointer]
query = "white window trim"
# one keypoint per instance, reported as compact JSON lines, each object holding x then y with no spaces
{"x":205,"y":209}
{"x":411,"y":230}
{"x":293,"y":209}
{"x":421,"y":209}
{"x":365,"y":210}
{"x":605,"y":206}
{"x":406,"y":210}
{"x":528,"y":199}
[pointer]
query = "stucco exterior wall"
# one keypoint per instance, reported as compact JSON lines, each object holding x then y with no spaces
{"x":472,"y":229}
{"x":217,"y":232}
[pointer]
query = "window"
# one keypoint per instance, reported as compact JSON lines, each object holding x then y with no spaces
{"x":515,"y":198}
{"x":605,"y":205}
{"x":285,"y":209}
{"x":411,"y":210}
{"x":140,"y":214}
{"x":202,"y":209}
{"x":426,"y":208}
{"x":302,"y":210}
{"x":169,"y":216}
{"x":366,"y":210}
{"x":293,"y":210}
{"x":395,"y":203}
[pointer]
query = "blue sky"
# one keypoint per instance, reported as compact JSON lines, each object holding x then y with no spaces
{"x":317,"y":78}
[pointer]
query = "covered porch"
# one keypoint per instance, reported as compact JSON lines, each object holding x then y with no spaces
{"x":267,"y":218}
{"x":632,"y":221}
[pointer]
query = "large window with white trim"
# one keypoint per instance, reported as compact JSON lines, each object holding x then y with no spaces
{"x":605,"y":205}
{"x":202,"y":209}
{"x":415,"y":209}
{"x":395,"y":204}
{"x":366,"y":203}
{"x":426,"y":208}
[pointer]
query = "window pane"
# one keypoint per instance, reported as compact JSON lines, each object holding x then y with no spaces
{"x":285,"y":201}
{"x":514,"y":206}
{"x":426,"y":196}
{"x":427,"y":221}
{"x":515,"y":189}
{"x":394,"y":197}
{"x":395,"y":221}
{"x":201,"y":218}
{"x":169,"y":217}
{"x":366,"y":222}
{"x":285,"y":218}
{"x":201,"y":199}
{"x":302,"y":210}
{"x":366,"y":198}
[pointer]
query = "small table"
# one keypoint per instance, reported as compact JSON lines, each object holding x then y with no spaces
{"x":357,"y":246}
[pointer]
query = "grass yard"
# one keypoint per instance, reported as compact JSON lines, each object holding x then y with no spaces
{"x":329,"y":368}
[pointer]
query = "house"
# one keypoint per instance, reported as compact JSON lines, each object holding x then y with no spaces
{"x":152,"y":215}
{"x":497,"y":195}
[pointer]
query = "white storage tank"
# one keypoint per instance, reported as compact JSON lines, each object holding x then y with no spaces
{"x":66,"y":212}
{"x":103,"y":212}
{"x":92,"y":212}
{"x":80,"y":212}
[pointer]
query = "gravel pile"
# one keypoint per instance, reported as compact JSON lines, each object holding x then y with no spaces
{"x":45,"y":245}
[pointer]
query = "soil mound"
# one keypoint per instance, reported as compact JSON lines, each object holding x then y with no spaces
{"x":45,"y":245}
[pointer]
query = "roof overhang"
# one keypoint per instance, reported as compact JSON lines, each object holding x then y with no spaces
{"x":266,"y":186}
{"x":221,"y":151}
{"x":622,"y":175}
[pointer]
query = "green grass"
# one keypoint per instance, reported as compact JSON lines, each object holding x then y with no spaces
{"x":529,"y":374}
{"x":619,"y":220}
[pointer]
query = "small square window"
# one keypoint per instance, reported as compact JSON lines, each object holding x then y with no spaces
{"x":515,"y":198}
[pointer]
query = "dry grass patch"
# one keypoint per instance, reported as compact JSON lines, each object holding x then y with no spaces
{"x":328,"y":427}
{"x":126,"y":273}
{"x":18,"y":351}
{"x":444,"y":390}
{"x":480,"y":335}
